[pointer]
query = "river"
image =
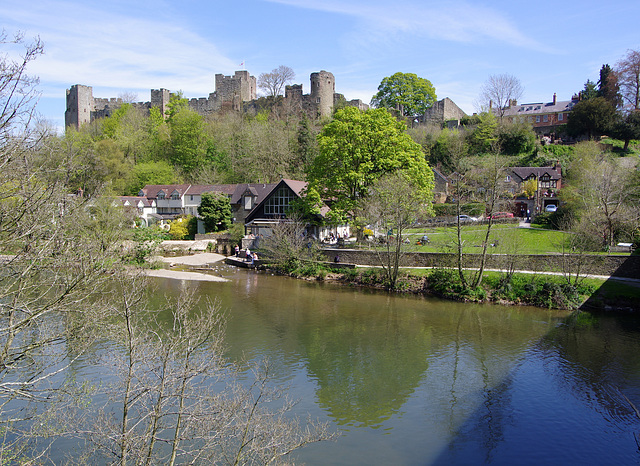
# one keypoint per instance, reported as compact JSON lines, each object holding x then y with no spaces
{"x":409,"y":380}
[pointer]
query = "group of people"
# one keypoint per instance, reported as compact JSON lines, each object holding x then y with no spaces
{"x":248,"y":255}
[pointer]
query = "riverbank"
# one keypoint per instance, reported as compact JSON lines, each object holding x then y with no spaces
{"x":545,"y":290}
{"x":195,"y":261}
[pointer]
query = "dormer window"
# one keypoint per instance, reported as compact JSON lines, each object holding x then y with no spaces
{"x":247,"y":202}
{"x":175,"y":196}
{"x":161,"y":195}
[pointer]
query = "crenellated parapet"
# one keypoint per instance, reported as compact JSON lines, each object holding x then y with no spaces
{"x":231,"y":93}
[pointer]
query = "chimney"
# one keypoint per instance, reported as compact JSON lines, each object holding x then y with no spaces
{"x":554,"y":98}
{"x":490,"y":104}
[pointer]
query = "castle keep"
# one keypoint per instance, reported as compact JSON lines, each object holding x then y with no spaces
{"x":235,"y":92}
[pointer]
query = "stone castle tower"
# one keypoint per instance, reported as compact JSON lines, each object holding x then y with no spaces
{"x":323,"y":88}
{"x":79,"y":106}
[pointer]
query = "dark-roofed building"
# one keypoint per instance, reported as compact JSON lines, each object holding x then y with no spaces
{"x":548,"y":181}
{"x":258,"y":206}
{"x":544,"y":117}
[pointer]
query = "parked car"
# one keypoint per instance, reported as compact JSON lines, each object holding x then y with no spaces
{"x":551,"y":208}
{"x":467,"y":218}
{"x":501,"y":215}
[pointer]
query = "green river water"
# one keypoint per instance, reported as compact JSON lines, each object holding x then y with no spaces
{"x":409,"y":380}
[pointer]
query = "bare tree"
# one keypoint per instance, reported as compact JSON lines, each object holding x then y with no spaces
{"x":175,"y":397}
{"x":128,"y":97}
{"x":628,"y":73}
{"x":273,"y":83}
{"x":393,"y":205}
{"x":289,"y":245}
{"x":606,"y":194}
{"x":499,"y":92}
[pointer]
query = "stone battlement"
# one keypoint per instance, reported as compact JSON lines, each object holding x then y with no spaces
{"x":231,"y":93}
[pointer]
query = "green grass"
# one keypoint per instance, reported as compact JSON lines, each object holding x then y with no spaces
{"x":510,"y":239}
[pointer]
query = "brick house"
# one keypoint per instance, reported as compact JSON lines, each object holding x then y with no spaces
{"x":545,"y":118}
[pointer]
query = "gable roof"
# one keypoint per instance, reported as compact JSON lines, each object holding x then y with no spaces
{"x":151,"y":191}
{"x":539,"y":108}
{"x":537,"y":172}
{"x":259,"y":190}
{"x":135,"y":201}
{"x":294,"y":185}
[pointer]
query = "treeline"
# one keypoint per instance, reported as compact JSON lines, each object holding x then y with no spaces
{"x":130,"y":149}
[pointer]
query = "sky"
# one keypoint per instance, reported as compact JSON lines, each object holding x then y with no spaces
{"x":130,"y":47}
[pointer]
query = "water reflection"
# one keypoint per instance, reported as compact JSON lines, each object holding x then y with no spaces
{"x":563,"y":403}
{"x":417,"y":381}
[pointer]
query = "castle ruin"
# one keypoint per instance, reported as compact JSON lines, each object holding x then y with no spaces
{"x":235,"y":92}
{"x":444,"y":111}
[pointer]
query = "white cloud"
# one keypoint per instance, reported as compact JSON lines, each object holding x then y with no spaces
{"x":104,"y":49}
{"x":459,"y":22}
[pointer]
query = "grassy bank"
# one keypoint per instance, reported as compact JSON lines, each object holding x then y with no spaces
{"x":541,"y":290}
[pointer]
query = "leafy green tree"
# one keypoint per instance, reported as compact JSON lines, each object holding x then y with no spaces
{"x":590,"y":90}
{"x":112,"y":167}
{"x":110,"y":123}
{"x":179,"y":227}
{"x":484,"y":136}
{"x":215,"y":210}
{"x":150,"y":173}
{"x":608,"y":86}
{"x":448,"y":147}
{"x":188,"y":140}
{"x":627,"y":128}
{"x":516,"y":138}
{"x":406,"y":92}
{"x":592,"y":117}
{"x":356,"y":149}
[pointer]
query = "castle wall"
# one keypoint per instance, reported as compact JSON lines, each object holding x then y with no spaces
{"x":442,"y":111}
{"x":230,"y":94}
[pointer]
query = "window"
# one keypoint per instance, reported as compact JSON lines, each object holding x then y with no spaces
{"x":545,"y":118}
{"x":560,"y":116}
{"x":161,"y":195}
{"x":508,"y":180}
{"x":191,"y":197}
{"x":279,"y":202}
{"x":537,"y":118}
{"x":175,"y":196}
{"x":247,"y":203}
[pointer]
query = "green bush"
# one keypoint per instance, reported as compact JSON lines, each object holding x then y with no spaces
{"x":449,"y":210}
{"x":516,"y":138}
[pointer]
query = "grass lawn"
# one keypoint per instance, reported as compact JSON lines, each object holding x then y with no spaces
{"x":510,"y":239}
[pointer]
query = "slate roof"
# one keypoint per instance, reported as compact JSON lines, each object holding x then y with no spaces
{"x":525,"y":172}
{"x":135,"y":200}
{"x":151,"y":191}
{"x":540,"y":108}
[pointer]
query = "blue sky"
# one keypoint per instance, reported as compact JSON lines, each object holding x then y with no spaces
{"x":133,"y":46}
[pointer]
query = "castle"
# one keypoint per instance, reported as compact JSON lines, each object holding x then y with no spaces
{"x":237,"y":92}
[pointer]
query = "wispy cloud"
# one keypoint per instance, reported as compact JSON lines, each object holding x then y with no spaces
{"x":113,"y":50}
{"x":459,"y":22}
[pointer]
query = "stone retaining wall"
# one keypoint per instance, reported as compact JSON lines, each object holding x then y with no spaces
{"x":620,"y":266}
